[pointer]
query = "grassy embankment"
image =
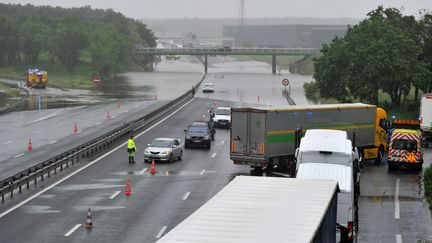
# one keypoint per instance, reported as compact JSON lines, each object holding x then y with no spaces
{"x":57,"y":73}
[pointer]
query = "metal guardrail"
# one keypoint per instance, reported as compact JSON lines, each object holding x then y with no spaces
{"x":225,"y":51}
{"x":74,"y":155}
{"x":285,"y":93}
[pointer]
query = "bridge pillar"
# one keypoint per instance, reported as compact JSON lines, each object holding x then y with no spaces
{"x":274,"y":64}
{"x":205,"y":64}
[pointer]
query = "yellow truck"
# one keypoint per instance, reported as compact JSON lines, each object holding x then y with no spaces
{"x":36,"y":78}
{"x":405,"y":146}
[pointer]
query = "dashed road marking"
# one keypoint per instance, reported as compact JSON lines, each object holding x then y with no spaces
{"x":72,"y":230}
{"x":186,"y":196}
{"x":19,"y":155}
{"x":37,"y":132}
{"x":115,"y":194}
{"x":114,"y":116}
{"x":78,"y":131}
{"x":97,"y":123}
{"x":8,"y":142}
{"x":397,"y":207}
{"x":142,"y":172}
{"x":398,"y":238}
{"x":53,"y":142}
{"x":126,"y":111}
{"x":202,"y":172}
{"x":213,"y":155}
{"x":223,"y":141}
{"x":89,"y":164}
{"x":161,"y":232}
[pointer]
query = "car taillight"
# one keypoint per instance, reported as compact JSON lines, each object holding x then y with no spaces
{"x":350,"y":231}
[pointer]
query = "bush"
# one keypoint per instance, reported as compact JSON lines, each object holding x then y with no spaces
{"x":428,"y":184}
{"x":311,"y":89}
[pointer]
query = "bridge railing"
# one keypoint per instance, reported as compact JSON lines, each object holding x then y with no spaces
{"x":219,"y":51}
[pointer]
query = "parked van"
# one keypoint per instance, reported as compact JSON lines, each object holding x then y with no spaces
{"x":347,"y":207}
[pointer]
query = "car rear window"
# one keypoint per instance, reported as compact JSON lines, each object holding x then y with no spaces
{"x":161,"y":143}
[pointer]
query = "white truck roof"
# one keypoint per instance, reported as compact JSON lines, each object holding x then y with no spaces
{"x":340,"y":173}
{"x":313,"y":107}
{"x":327,"y":143}
{"x":258,"y":209}
{"x":336,"y":134}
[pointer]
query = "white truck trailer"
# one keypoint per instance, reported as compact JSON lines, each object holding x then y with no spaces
{"x":426,"y":118}
{"x":263,"y":209}
{"x":265,"y":137}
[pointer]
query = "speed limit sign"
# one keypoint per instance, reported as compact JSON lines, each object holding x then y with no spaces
{"x":285,"y":82}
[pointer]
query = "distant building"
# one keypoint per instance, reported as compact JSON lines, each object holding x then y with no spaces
{"x":281,"y":36}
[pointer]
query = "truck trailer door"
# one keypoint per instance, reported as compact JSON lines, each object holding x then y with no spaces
{"x":256,"y":134}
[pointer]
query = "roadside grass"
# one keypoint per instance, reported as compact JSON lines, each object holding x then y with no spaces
{"x":427,"y":179}
{"x":57,"y":73}
{"x":9,"y":91}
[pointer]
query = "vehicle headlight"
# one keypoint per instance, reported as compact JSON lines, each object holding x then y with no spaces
{"x":165,"y":152}
{"x":146,"y":152}
{"x":188,"y":136}
{"x":207,"y":137}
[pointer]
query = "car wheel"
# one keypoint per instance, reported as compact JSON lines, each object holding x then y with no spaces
{"x":380,"y":156}
{"x":171,"y":159}
{"x":208,"y":145}
{"x":181,"y":155}
{"x":146,"y":160}
{"x":186,"y":145}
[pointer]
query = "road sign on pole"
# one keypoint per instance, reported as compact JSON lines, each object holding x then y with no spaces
{"x":285,"y":82}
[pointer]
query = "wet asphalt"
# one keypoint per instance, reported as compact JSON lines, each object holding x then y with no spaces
{"x":392,"y":208}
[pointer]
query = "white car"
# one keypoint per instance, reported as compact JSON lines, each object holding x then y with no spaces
{"x":222,"y":117}
{"x":164,"y":149}
{"x":208,"y":88}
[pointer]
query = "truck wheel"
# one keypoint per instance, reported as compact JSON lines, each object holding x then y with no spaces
{"x":391,"y":167}
{"x":380,"y":156}
{"x":186,"y":144}
{"x":208,"y":145}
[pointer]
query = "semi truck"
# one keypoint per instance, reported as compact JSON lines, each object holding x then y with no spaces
{"x":405,"y":146}
{"x":426,"y":118}
{"x":330,"y":155}
{"x":263,"y":209}
{"x":266,"y":137}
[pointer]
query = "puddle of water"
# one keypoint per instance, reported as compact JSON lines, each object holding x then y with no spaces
{"x":37,"y":209}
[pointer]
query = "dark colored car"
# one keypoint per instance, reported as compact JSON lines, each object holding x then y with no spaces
{"x":209,"y":124}
{"x":198,"y":135}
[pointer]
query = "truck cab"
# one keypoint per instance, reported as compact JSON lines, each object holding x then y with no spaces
{"x":405,"y":147}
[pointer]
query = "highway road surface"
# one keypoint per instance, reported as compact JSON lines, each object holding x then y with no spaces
{"x":392,"y":208}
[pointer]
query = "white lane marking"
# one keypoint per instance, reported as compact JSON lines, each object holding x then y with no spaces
{"x":53,"y":142}
{"x":72,"y":230}
{"x":202,"y":172}
{"x":19,"y":155}
{"x":97,"y":123}
{"x":78,"y":131}
{"x":223,"y":141}
{"x":126,"y":111}
{"x":161,"y":232}
{"x":213,"y":155}
{"x":8,"y":142}
{"x":114,"y":116}
{"x":37,"y":132}
{"x":142,"y":172}
{"x":115,"y":194}
{"x":186,"y":196}
{"x":398,"y":238}
{"x":397,"y":208}
{"x":89,"y":164}
{"x":44,"y":118}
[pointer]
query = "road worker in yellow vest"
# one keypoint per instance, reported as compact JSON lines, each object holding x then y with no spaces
{"x":131,"y":148}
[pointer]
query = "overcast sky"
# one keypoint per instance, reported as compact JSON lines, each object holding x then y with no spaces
{"x":162,"y":9}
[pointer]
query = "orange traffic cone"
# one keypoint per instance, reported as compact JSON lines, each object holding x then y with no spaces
{"x":30,"y":146}
{"x":153,"y":168}
{"x":89,"y":223}
{"x":128,"y":191}
{"x":75,"y":128}
{"x":108,"y":115}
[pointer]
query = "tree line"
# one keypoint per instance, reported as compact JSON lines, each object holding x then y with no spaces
{"x":386,"y":52}
{"x":27,"y":31}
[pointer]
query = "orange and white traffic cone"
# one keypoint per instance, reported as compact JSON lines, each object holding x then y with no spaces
{"x":75,"y":128}
{"x":153,"y":168}
{"x":29,"y":146}
{"x":89,"y":222}
{"x":128,"y":191}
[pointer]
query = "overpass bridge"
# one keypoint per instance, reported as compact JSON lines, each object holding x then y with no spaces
{"x":227,"y":51}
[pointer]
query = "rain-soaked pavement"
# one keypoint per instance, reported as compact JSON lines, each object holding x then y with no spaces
{"x":392,"y":208}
